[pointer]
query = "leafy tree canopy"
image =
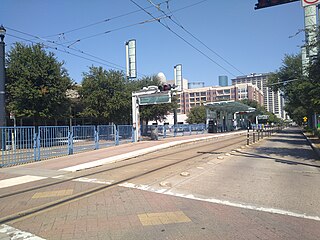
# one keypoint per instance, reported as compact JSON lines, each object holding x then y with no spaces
{"x":301,"y":92}
{"x":36,"y":83}
{"x":197,"y":115}
{"x":105,"y":95}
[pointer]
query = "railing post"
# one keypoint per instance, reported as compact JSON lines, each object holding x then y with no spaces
{"x":174,"y":130}
{"x":117,"y":137}
{"x":248,"y":137}
{"x":36,"y":146}
{"x":96,"y":138}
{"x":70,"y":142}
{"x":190,"y":129}
{"x":132,"y":134}
{"x":254,"y":137}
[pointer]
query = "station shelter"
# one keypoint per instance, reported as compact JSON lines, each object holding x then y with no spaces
{"x":226,"y":116}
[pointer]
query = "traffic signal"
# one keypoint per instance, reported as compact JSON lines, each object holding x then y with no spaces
{"x":270,"y":3}
{"x":165,"y":87}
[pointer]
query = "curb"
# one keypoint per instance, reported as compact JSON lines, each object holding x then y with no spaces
{"x":313,"y":146}
{"x":140,"y":152}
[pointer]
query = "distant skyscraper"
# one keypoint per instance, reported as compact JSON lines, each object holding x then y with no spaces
{"x":273,"y":101}
{"x":223,"y":81}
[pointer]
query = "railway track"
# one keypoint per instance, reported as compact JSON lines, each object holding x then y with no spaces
{"x":197,"y":149}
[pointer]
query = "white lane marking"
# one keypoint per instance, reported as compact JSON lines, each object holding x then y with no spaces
{"x":19,"y":180}
{"x":14,"y":233}
{"x":93,"y":180}
{"x":137,"y":153}
{"x":222,"y":202}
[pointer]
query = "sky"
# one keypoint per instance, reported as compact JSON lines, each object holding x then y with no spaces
{"x":208,"y":37}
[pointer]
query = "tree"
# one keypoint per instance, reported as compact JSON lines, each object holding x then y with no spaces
{"x":105,"y":96}
{"x":301,"y":92}
{"x":36,"y":84}
{"x":197,"y":114}
{"x":260,"y":110}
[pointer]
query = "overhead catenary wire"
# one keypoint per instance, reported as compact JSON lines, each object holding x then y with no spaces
{"x":67,"y":52}
{"x":59,"y":44}
{"x":192,"y":35}
{"x":72,"y":42}
{"x":113,"y":30}
{"x":187,"y":42}
{"x":101,"y":21}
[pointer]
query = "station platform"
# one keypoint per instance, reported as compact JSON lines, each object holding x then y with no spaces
{"x":261,"y":191}
{"x":86,"y":160}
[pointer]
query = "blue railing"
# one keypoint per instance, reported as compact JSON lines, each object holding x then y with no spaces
{"x":52,"y":142}
{"x":25,"y":144}
{"x":18,"y":145}
{"x":84,"y":138}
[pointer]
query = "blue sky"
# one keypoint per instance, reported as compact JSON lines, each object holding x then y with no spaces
{"x":252,"y":41}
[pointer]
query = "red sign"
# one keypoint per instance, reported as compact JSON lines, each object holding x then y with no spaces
{"x":309,"y":2}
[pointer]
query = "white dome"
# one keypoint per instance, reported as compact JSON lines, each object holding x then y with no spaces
{"x":161,"y":77}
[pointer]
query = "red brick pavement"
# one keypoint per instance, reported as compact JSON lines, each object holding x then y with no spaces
{"x":113,"y":214}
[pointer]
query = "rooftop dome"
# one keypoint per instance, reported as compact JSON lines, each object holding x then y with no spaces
{"x":161,"y":77}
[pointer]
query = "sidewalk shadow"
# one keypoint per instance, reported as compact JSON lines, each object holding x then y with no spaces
{"x":279,"y":160}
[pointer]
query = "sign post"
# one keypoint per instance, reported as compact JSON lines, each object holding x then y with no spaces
{"x":148,"y":96}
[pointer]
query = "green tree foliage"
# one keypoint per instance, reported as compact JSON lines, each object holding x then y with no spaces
{"x":105,"y":96}
{"x":36,"y":84}
{"x":260,"y":110}
{"x":301,"y":92}
{"x":197,"y":114}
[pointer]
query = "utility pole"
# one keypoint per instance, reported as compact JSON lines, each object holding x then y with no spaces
{"x":2,"y":86}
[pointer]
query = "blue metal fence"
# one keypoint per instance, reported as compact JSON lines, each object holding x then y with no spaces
{"x":124,"y":134}
{"x":52,"y":142}
{"x":18,"y":145}
{"x":107,"y":136}
{"x":84,"y":138}
{"x":25,"y":144}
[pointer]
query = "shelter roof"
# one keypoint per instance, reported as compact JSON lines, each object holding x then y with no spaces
{"x":229,"y":106}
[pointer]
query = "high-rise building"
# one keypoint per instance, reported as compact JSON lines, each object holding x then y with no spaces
{"x":223,"y":81}
{"x":273,"y":100}
{"x":190,"y":98}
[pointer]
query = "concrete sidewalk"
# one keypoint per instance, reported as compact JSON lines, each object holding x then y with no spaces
{"x":77,"y":162}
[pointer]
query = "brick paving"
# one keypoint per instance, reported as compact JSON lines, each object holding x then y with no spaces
{"x":114,"y":214}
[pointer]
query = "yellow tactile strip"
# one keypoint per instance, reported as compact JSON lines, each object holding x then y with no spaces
{"x":59,"y":193}
{"x":148,"y":219}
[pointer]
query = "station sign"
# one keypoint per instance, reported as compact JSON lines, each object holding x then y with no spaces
{"x":262,"y":116}
{"x":157,"y":98}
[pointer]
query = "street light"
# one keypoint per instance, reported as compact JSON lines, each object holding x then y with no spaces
{"x":2,"y":85}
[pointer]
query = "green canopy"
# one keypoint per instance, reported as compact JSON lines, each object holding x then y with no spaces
{"x":229,"y":106}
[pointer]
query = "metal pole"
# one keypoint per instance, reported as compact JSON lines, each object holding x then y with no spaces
{"x":2,"y":88}
{"x":248,"y":137}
